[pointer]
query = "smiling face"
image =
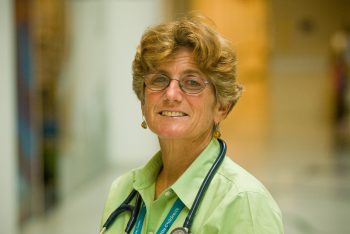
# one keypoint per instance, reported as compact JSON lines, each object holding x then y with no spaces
{"x":173,"y":114}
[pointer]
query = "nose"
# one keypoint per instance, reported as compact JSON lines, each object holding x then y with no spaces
{"x":173,"y":92}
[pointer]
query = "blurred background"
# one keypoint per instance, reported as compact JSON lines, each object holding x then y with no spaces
{"x":70,"y":123}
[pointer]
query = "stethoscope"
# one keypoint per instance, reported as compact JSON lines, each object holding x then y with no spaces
{"x":185,"y":229}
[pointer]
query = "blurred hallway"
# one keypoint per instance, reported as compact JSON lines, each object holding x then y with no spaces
{"x":283,"y":130}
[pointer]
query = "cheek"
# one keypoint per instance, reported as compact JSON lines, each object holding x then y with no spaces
{"x":148,"y":104}
{"x":207,"y":112}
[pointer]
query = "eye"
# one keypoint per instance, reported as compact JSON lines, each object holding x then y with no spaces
{"x":193,"y":82}
{"x":159,"y":80}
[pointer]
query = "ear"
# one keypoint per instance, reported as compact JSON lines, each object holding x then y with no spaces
{"x":221,"y":111}
{"x":143,"y":108}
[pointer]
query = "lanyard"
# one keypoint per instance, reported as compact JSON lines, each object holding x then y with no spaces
{"x":168,"y":221}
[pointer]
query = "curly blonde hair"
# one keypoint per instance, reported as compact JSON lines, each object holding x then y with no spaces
{"x":211,"y":51}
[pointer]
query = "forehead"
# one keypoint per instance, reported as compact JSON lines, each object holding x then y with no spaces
{"x":181,"y":59}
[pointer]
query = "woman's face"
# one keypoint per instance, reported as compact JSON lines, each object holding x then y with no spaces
{"x":173,"y":114}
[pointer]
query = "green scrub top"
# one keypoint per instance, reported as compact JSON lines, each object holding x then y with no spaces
{"x":235,"y":202}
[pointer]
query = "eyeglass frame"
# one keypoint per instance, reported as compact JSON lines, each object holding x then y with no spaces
{"x":178,"y":80}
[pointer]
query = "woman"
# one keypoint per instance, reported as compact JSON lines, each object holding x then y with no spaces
{"x":184,"y":77}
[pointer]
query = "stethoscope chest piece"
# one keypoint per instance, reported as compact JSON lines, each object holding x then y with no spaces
{"x":179,"y":230}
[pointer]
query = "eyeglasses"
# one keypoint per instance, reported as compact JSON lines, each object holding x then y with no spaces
{"x":189,"y":83}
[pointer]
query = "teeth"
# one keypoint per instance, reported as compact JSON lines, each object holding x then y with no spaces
{"x":172,"y":113}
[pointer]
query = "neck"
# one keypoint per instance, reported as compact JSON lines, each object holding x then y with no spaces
{"x":177,"y":156}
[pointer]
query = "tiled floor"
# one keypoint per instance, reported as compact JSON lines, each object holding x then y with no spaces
{"x":81,"y":213}
{"x":313,"y":195}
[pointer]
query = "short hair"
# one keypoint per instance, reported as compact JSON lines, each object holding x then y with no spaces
{"x":213,"y":54}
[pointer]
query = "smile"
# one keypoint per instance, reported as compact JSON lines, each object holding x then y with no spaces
{"x":172,"y":113}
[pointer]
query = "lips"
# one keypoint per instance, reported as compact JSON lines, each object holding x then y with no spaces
{"x":173,"y":113}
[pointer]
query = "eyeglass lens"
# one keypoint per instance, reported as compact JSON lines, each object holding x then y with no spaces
{"x":190,"y":83}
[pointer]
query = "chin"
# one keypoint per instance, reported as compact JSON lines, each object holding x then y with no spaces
{"x":171,"y":133}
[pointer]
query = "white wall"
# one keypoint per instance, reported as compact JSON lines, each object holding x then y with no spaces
{"x":128,"y":144}
{"x":8,"y":181}
{"x":82,"y":97}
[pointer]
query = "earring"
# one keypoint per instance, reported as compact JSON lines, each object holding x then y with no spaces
{"x":144,"y":124}
{"x":216,"y":132}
